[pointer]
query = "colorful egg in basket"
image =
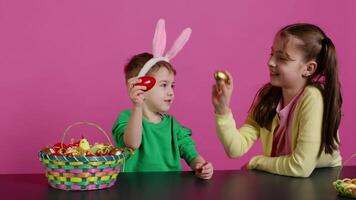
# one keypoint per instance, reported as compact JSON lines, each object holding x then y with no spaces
{"x":346,"y":187}
{"x":81,"y":166}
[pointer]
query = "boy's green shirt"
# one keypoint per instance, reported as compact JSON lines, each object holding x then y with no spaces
{"x":162,"y":147}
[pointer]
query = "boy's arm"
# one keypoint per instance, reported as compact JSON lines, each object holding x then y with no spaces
{"x":133,"y":131}
{"x":202,"y":168}
{"x":186,"y":144}
{"x":196,"y":162}
{"x":188,"y":152}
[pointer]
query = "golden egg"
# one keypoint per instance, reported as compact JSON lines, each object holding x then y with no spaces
{"x":48,"y":151}
{"x":115,"y":151}
{"x":221,"y":76}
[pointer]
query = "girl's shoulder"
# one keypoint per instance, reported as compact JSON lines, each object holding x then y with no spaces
{"x":311,"y":96}
{"x":311,"y":91}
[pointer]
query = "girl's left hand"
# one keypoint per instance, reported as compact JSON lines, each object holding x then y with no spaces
{"x":245,"y":166}
{"x":221,"y":95}
{"x":204,"y":170}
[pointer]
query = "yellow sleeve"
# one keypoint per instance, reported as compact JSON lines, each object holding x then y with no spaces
{"x":304,"y":157}
{"x":236,"y":141}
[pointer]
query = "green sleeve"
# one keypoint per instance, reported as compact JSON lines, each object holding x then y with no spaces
{"x":119,"y":128}
{"x":186,"y":144}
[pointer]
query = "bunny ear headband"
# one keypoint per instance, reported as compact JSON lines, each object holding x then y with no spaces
{"x":159,"y":45}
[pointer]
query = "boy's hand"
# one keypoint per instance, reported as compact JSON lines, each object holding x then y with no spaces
{"x":204,"y":170}
{"x":136,"y":93}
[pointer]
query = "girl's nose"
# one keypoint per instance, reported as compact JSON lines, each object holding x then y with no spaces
{"x":271,"y":63}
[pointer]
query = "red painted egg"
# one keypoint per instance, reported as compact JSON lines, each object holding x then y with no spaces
{"x":59,"y":146}
{"x":75,"y":144}
{"x":147,"y":81}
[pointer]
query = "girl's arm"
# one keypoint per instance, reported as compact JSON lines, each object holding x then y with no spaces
{"x":236,"y":142}
{"x":302,"y":161}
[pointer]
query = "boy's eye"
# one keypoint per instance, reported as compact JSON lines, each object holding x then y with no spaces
{"x":164,"y":85}
{"x":173,"y":86}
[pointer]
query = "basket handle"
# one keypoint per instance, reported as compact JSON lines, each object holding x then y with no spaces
{"x":352,"y":156}
{"x":85,"y":123}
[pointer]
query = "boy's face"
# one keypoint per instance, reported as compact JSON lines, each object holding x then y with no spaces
{"x":161,"y":96}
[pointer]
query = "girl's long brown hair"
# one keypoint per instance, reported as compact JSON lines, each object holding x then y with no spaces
{"x":318,"y":47}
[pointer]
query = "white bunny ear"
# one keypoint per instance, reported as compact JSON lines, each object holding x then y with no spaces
{"x":179,"y":43}
{"x":159,"y":39}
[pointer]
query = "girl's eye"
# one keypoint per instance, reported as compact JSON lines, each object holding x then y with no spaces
{"x":164,"y":85}
{"x":282,"y":58}
{"x":173,"y":86}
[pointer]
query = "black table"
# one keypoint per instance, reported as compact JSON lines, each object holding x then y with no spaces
{"x":185,"y":186}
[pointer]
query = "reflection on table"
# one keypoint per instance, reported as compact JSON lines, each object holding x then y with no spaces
{"x":184,"y":185}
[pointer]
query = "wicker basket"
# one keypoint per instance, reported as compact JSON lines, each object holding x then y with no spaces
{"x":82,"y":172}
{"x":346,"y":187}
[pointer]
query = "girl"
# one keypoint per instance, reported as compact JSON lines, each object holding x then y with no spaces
{"x":158,"y":139}
{"x":296,"y":115}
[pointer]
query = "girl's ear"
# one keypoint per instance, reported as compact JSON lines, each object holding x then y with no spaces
{"x":310,"y":68}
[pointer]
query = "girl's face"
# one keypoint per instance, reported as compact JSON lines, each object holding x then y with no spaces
{"x":161,"y":96}
{"x":286,"y":64}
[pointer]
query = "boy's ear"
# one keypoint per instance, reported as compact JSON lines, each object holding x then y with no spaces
{"x":310,"y":68}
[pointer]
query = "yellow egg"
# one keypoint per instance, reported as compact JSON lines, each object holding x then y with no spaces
{"x":84,"y":144}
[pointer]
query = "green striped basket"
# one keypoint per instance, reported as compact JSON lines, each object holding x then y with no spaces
{"x":82,"y":172}
{"x":346,"y":187}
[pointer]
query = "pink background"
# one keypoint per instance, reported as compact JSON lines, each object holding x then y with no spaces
{"x":62,"y":62}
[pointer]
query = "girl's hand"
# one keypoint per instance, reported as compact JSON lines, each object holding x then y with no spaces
{"x":221,"y":95}
{"x":204,"y":170}
{"x":135,"y":93}
{"x":244,"y":167}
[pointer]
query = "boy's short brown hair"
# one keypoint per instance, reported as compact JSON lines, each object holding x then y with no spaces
{"x":133,"y":67}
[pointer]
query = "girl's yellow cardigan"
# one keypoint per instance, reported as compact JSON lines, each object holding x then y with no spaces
{"x":306,"y":138}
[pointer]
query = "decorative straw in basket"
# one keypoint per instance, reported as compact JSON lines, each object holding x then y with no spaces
{"x":82,"y":172}
{"x":346,"y":187}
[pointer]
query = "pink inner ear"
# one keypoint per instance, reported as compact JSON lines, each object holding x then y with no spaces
{"x":179,"y":43}
{"x":159,"y":39}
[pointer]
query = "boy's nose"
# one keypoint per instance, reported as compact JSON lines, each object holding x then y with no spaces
{"x":170,"y":92}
